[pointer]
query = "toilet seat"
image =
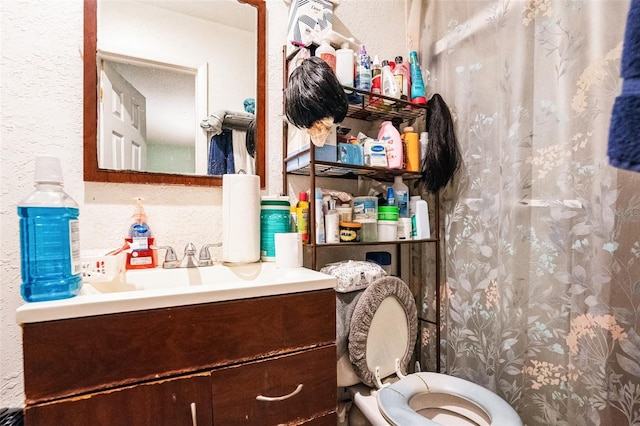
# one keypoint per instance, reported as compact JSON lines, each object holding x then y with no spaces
{"x":383,"y":329}
{"x":401,"y":402}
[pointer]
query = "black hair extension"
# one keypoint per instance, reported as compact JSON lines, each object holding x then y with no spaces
{"x":313,"y":93}
{"x":250,"y":141}
{"x":442,"y":157}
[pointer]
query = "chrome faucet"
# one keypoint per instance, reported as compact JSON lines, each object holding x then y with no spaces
{"x":189,"y":260}
{"x":204,"y":259}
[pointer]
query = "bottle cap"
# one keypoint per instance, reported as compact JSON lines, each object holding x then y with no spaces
{"x":408,"y":129}
{"x":398,"y":59}
{"x":48,"y":169}
{"x":385,"y":63}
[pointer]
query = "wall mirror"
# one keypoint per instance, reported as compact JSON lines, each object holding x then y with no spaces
{"x":162,"y":79}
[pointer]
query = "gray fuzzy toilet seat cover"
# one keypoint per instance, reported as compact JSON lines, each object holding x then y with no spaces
{"x":363,"y":314}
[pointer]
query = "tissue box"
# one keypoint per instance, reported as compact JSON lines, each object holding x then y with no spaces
{"x":309,"y":21}
{"x":350,"y":154}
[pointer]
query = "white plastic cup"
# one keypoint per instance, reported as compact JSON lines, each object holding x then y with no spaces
{"x":288,"y":249}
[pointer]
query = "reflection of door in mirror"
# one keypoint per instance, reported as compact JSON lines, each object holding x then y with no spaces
{"x":178,"y":36}
{"x":161,"y":131}
{"x":123,"y":128}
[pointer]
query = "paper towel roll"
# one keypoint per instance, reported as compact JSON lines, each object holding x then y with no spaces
{"x":240,"y":218}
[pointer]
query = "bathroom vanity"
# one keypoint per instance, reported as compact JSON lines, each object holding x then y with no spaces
{"x":258,"y":351}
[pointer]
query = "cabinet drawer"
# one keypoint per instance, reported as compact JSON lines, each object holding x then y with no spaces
{"x":302,"y":386}
{"x":162,"y":403}
{"x":80,"y":355}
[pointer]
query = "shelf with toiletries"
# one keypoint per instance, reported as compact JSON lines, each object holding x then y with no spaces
{"x":307,"y":166}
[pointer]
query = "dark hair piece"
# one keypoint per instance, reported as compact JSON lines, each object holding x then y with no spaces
{"x":313,"y":93}
{"x":250,"y":142}
{"x":442,"y":157}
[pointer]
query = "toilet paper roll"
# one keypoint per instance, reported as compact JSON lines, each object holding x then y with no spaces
{"x":288,"y":249}
{"x":240,"y":218}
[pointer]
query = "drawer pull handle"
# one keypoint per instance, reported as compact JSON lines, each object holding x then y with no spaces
{"x":280,"y":398}
{"x":194,"y":420}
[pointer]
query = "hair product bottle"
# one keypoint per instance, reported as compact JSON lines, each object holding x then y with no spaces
{"x":417,"y":84}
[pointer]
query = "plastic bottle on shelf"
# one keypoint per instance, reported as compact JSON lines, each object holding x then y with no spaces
{"x":389,"y":83}
{"x":402,"y":196}
{"x":424,"y":141}
{"x":344,"y":65}
{"x":332,"y":224}
{"x":363,"y":73}
{"x":419,"y":211}
{"x":49,"y":237}
{"x":390,"y":137}
{"x":411,"y":146}
{"x":403,"y":76}
{"x":417,"y":83}
{"x":376,"y":78}
{"x":320,"y":234}
{"x":302,"y":210}
{"x":327,"y":53}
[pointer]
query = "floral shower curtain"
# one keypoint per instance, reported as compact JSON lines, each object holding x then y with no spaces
{"x":542,"y":237}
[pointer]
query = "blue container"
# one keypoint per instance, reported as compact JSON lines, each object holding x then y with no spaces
{"x":49,"y":238}
{"x":46,"y":260}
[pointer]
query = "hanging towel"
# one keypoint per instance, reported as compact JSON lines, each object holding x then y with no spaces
{"x":221,"y":154}
{"x":624,"y":130}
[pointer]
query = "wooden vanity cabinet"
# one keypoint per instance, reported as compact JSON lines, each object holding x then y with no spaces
{"x":260,"y":361}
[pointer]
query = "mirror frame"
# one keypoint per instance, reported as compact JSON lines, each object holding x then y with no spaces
{"x":92,"y":173}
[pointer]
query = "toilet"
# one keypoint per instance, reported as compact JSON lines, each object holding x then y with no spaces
{"x":381,"y":338}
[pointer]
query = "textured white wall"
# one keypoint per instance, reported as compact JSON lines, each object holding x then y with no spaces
{"x":41,"y":107}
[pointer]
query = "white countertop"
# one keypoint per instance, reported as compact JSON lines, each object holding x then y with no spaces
{"x":161,"y":288}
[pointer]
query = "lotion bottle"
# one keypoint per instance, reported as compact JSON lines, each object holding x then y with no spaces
{"x":390,"y":137}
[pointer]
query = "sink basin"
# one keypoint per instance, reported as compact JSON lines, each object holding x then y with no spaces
{"x":220,"y":275}
{"x":160,"y":288}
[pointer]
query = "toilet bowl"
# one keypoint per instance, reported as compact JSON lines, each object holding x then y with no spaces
{"x":382,"y":335}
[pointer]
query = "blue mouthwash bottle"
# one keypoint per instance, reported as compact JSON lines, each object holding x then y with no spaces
{"x":49,"y":237}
